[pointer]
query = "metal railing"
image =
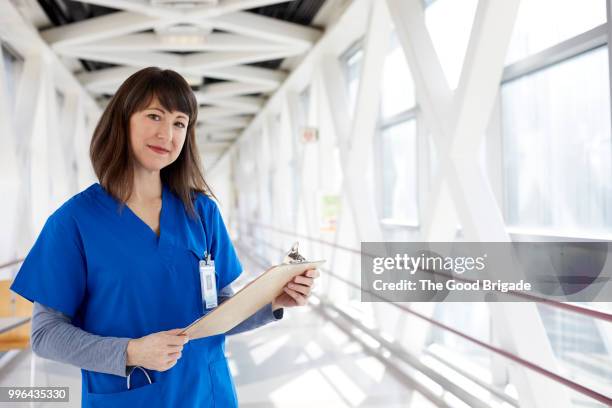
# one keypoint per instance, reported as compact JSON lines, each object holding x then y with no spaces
{"x":591,"y":393}
{"x":11,"y":263}
{"x":585,"y":311}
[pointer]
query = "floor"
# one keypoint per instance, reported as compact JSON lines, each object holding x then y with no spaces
{"x":301,"y":361}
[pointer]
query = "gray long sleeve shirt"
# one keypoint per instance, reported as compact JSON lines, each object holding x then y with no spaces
{"x":55,"y":337}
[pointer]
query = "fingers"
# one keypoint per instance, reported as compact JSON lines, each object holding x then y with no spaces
{"x":302,"y":285}
{"x":312,"y":273}
{"x":303,"y":280}
{"x":170,"y":358}
{"x":168,"y":365}
{"x":299,"y":298}
{"x":302,"y":289}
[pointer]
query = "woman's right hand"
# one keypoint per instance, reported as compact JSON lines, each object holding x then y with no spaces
{"x":158,"y":351}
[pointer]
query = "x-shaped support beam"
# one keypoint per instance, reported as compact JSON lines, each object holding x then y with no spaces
{"x":457,"y":123}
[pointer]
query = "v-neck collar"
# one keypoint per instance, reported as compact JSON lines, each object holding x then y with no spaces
{"x":147,"y":228}
{"x":144,"y":230}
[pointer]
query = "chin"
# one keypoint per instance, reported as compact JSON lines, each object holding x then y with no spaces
{"x":154,"y":165}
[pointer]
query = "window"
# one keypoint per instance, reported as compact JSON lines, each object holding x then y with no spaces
{"x":557,"y":153}
{"x":399,"y":173}
{"x":398,"y":140}
{"x":13,"y":66}
{"x":557,"y":146}
{"x":397,"y":83}
{"x":352,"y":61}
{"x":303,"y":114}
{"x":580,"y":347}
{"x":543,"y":23}
{"x":472,"y":318}
{"x":304,"y":111}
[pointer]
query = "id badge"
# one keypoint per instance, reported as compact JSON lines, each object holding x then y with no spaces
{"x":208,"y":283}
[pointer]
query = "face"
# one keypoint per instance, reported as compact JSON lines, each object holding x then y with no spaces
{"x":157,"y":136}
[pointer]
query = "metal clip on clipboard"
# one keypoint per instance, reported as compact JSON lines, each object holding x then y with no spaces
{"x":293,"y":256}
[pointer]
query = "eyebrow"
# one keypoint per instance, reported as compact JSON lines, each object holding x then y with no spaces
{"x":163,"y":111}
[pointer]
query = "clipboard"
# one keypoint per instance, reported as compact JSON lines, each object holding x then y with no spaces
{"x":248,"y":300}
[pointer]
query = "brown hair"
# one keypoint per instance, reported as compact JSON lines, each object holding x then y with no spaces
{"x":110,"y":150}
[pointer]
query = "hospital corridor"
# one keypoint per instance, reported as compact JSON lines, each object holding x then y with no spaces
{"x":306,"y":203}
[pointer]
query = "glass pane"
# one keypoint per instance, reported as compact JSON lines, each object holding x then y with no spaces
{"x":581,"y":349}
{"x":303,"y":120}
{"x":543,"y":23}
{"x":353,"y":60}
{"x":397,"y":84}
{"x":557,"y":147}
{"x":470,"y":318}
{"x":12,"y":71}
{"x":399,"y":172}
{"x":449,"y":23}
{"x":304,"y":111}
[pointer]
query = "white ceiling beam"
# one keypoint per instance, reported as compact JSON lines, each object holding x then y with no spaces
{"x":202,"y":62}
{"x":214,"y":145}
{"x":240,"y":121}
{"x":218,"y":112}
{"x":250,"y":74}
{"x":267,"y":28}
{"x":223,"y":136}
{"x":225,"y":89}
{"x":250,"y":104}
{"x":134,"y":59}
{"x":107,"y":80}
{"x":104,"y":77}
{"x":107,"y":89}
{"x":185,"y":15}
{"x":211,"y":42}
{"x":142,"y":17}
{"x":211,"y":128}
{"x":98,"y":28}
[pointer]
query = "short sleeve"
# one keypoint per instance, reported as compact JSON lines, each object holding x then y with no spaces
{"x":54,"y":271}
{"x":222,"y":250}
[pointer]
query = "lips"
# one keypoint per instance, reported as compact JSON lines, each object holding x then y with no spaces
{"x":158,"y":150}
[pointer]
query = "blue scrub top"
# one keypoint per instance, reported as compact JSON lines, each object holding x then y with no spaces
{"x":111,"y":273}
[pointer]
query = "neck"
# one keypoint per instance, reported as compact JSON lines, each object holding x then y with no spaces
{"x":147,"y":185}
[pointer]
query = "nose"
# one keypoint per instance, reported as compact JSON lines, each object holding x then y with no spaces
{"x":164,"y":131}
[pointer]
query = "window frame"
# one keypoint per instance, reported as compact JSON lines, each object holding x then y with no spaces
{"x":563,"y":51}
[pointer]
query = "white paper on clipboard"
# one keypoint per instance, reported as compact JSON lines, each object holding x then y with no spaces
{"x":244,"y":303}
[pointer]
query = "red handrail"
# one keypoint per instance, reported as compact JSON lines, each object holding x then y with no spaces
{"x":519,"y":360}
{"x":585,"y":311}
{"x":11,"y":263}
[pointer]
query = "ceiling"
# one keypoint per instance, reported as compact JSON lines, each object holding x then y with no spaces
{"x":230,"y":51}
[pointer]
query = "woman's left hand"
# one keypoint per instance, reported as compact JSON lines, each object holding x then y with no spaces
{"x":297,"y":291}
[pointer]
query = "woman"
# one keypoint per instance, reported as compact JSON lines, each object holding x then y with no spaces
{"x":114,"y":273}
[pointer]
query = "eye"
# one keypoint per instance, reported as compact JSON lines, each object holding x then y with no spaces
{"x":180,"y":125}
{"x":153,"y":116}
